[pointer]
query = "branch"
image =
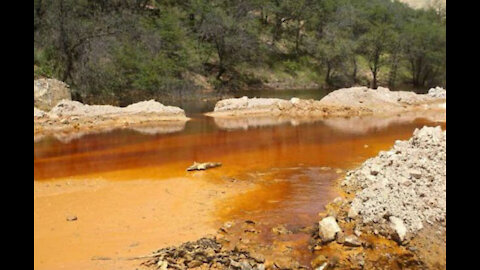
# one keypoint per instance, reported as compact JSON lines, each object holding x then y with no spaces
{"x":84,"y":39}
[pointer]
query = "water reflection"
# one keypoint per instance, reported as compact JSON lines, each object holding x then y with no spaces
{"x":260,"y":121}
{"x":67,"y":137}
{"x":357,"y":125}
{"x":128,"y":154}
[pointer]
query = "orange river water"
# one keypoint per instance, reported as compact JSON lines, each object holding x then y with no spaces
{"x":131,"y":194}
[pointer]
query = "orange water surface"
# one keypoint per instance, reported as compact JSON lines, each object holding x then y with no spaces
{"x":294,"y":167}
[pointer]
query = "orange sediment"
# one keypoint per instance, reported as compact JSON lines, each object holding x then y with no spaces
{"x":271,"y":174}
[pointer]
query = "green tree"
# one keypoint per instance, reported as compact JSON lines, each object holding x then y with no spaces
{"x":425,"y":50}
{"x":377,"y":40}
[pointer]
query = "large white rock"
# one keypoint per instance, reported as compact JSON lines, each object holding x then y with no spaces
{"x":48,"y":92}
{"x":397,"y":225}
{"x":328,"y":229}
{"x":437,"y":92}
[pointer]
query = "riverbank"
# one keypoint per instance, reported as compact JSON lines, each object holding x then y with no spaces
{"x":393,"y":211}
{"x":346,"y":102}
{"x":71,"y":119}
{"x":74,"y":117}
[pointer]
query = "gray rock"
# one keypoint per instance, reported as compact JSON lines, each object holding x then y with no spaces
{"x":352,"y":212}
{"x":352,"y":241}
{"x":410,"y":183}
{"x":38,"y":113}
{"x":398,"y":227}
{"x":437,"y":92}
{"x":415,"y":174}
{"x":48,"y":92}
{"x":328,"y":229}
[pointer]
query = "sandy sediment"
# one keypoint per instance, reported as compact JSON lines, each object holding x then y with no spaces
{"x":69,"y":117}
{"x":167,"y":212}
{"x":346,"y":102}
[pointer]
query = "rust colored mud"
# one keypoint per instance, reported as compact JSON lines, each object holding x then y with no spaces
{"x":281,"y":174}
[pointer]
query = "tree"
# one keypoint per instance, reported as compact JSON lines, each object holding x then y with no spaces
{"x":68,"y":27}
{"x":377,"y":40}
{"x":425,"y":49}
{"x":227,"y":29}
{"x":337,"y":46}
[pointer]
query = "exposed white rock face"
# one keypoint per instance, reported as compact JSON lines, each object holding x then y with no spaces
{"x":406,"y":184}
{"x":48,"y":92}
{"x":437,"y":92}
{"x":328,"y":229}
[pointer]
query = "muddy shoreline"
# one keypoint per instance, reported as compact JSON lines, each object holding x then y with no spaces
{"x":348,"y":241}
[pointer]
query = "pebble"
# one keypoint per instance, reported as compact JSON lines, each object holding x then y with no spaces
{"x":71,"y":218}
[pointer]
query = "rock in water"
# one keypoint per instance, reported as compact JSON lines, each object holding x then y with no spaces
{"x":203,"y":166}
{"x":48,"y":92}
{"x":328,"y":229}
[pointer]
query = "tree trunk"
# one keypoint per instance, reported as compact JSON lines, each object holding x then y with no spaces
{"x":374,"y":81}
{"x":375,"y":68}
{"x":355,"y":68}
{"x":220,"y":51}
{"x":393,"y":71}
{"x":277,"y":29}
{"x":328,"y":75}
{"x":297,"y":37}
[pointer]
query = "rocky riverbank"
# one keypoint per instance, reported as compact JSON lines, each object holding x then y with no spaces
{"x":72,"y":117}
{"x":394,"y":211}
{"x":354,"y":101}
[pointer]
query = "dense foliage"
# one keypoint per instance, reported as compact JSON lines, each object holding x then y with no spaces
{"x":113,"y":50}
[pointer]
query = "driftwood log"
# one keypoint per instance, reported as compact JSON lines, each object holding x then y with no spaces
{"x":203,"y":166}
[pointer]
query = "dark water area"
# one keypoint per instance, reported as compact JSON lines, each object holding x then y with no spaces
{"x":194,"y":106}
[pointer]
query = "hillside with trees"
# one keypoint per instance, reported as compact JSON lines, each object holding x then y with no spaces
{"x":120,"y":52}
